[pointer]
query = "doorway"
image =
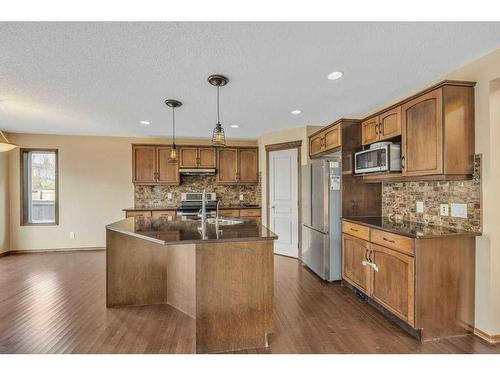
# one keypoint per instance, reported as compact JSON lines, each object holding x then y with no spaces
{"x":283,"y":196}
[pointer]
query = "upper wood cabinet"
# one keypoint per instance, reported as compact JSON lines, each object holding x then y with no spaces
{"x":384,"y":126}
{"x":150,"y":167}
{"x":197,"y":157}
{"x":237,"y":165}
{"x":326,"y":139}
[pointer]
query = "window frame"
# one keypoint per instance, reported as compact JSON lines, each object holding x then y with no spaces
{"x":25,"y":220}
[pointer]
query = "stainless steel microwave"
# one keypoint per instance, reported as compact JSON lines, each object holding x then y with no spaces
{"x":380,"y":157}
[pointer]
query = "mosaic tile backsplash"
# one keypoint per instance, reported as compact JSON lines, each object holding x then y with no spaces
{"x":157,"y":196}
{"x":399,"y":200}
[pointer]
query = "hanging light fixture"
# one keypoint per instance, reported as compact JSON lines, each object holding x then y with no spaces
{"x":173,"y":157}
{"x":218,"y":136}
{"x":5,"y":145}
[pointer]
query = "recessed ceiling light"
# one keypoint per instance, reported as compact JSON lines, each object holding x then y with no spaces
{"x":335,"y":75}
{"x":235,"y":126}
{"x":296,"y":112}
{"x":145,"y":123}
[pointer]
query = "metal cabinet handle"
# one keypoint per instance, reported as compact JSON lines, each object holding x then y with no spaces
{"x":403,"y":163}
{"x":381,"y":128}
{"x":354,"y":230}
{"x":376,"y":129}
{"x":388,"y":240}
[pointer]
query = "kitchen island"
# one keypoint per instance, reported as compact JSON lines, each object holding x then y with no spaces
{"x":220,"y":275}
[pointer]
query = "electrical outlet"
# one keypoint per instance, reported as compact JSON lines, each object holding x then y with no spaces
{"x":444,"y":210}
{"x":72,"y":235}
{"x":169,"y":196}
{"x":459,"y":210}
{"x":241,"y":197}
{"x":420,"y":207}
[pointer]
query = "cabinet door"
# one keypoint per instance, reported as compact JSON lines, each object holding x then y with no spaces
{"x":390,"y":123}
{"x":332,"y":138}
{"x":354,"y":252}
{"x":188,"y":157}
{"x":422,"y":128}
{"x":393,"y":285}
{"x":206,"y":157}
{"x":143,"y":164}
{"x":248,"y":165}
{"x":167,"y":173}
{"x":227,"y":165}
{"x":369,"y":131}
{"x":316,"y":144}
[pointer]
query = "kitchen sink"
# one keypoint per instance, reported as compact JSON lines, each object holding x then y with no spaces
{"x":225,"y":220}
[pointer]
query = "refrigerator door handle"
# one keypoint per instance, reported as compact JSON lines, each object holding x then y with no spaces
{"x":314,"y":229}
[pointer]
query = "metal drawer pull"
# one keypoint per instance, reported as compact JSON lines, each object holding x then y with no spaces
{"x":354,"y":230}
{"x":372,"y":265}
{"x":388,"y":240}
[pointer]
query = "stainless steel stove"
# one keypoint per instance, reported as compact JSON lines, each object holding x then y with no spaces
{"x":191,"y":205}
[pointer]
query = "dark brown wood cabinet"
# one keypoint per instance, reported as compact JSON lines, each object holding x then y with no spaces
{"x":237,"y":165}
{"x":326,"y":140}
{"x":426,"y":283}
{"x":150,"y":166}
{"x":197,"y":157}
{"x":384,"y":126}
{"x":369,"y":131}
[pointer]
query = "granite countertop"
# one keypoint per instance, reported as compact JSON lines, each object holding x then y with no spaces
{"x":174,"y":208}
{"x":239,"y":206}
{"x":164,"y":231}
{"x":409,"y":228}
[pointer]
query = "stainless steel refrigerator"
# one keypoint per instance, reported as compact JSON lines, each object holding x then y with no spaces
{"x":321,"y":234}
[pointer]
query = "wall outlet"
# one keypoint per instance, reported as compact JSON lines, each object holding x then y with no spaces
{"x":459,"y":210}
{"x":444,"y":210}
{"x":241,"y":197}
{"x":169,"y":196}
{"x":420,"y":207}
{"x":72,"y":235}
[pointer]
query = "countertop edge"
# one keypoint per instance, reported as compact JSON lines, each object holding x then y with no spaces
{"x":463,"y":233}
{"x":178,"y":207}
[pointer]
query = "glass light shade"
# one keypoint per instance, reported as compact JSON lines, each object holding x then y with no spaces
{"x":218,"y":136}
{"x":173,"y":157}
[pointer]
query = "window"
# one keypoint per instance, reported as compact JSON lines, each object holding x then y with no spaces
{"x":39,"y":187}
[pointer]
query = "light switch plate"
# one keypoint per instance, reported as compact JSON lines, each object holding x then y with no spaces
{"x":459,"y":210}
{"x":72,"y":235}
{"x":420,"y":207}
{"x":241,"y":197}
{"x":444,"y":210}
{"x":169,"y":196}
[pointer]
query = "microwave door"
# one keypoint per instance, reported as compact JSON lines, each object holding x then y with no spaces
{"x":371,"y":161}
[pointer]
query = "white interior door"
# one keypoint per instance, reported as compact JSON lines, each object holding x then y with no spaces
{"x":284,"y":201}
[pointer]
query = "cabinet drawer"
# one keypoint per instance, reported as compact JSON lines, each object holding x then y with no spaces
{"x":356,"y":230}
{"x":393,"y":241}
{"x":138,"y":213}
{"x":250,"y":212}
{"x":230,"y":213}
{"x":163,"y":214}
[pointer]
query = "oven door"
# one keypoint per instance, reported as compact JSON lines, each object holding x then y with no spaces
{"x":375,"y":160}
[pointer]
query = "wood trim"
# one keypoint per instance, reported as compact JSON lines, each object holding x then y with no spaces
{"x":333,"y":124}
{"x":279,"y":147}
{"x":491,"y":339}
{"x":62,"y":250}
{"x":283,"y":146}
{"x":21,"y":186}
{"x":398,"y":177}
{"x":425,"y":91}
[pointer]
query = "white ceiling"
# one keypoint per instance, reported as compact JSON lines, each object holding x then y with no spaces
{"x":103,"y":78}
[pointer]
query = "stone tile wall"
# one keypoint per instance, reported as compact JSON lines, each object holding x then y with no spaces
{"x":399,"y":200}
{"x":157,"y":196}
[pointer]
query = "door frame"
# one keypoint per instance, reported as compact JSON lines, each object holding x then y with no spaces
{"x":279,"y":147}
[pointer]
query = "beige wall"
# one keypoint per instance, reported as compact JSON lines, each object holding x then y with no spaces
{"x":287,"y":135}
{"x":4,"y":202}
{"x":95,"y":175}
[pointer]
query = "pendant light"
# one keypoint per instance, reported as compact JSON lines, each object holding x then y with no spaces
{"x":5,"y":145}
{"x":173,"y":157}
{"x":218,"y":136}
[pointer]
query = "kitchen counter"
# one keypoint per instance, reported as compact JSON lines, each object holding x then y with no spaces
{"x":164,"y":231}
{"x":167,"y":208}
{"x":408,"y":228}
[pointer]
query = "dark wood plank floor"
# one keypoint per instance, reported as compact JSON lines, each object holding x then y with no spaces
{"x":55,"y":303}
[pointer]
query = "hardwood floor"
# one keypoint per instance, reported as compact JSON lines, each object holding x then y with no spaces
{"x":55,"y":303}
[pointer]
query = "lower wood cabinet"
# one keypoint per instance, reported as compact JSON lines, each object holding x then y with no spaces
{"x":426,"y":283}
{"x":253,"y":213}
{"x":169,"y":214}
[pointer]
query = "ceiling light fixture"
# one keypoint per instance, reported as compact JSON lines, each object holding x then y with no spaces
{"x":145,"y":122}
{"x":5,"y":145}
{"x":218,"y":136}
{"x":296,"y":112}
{"x":173,"y":157}
{"x":235,"y":126}
{"x":334,"y":75}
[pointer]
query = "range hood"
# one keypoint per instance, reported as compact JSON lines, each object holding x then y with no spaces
{"x":193,"y":171}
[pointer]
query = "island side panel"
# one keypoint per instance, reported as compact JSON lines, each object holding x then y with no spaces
{"x":136,"y":271}
{"x":181,"y":276}
{"x":234,"y":295}
{"x":444,"y":295}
